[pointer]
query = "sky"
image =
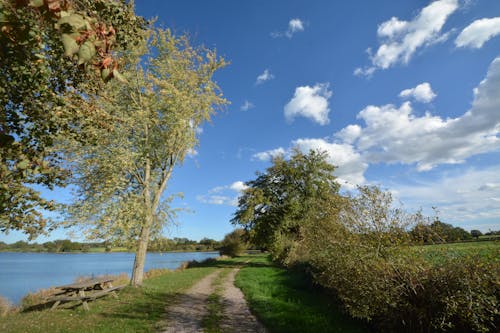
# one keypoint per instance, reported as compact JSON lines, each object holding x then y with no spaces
{"x":400,"y":94}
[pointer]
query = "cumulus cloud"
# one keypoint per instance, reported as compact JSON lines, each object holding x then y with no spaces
{"x":247,"y":106}
{"x":422,"y":93}
{"x":460,"y":196}
{"x":310,"y":102}
{"x":400,"y":39}
{"x":223,"y":195}
{"x":392,"y":134}
{"x":350,"y":165}
{"x":294,"y":25}
{"x":265,"y":76}
{"x":269,"y":154}
{"x":478,"y":32}
{"x":396,"y":135}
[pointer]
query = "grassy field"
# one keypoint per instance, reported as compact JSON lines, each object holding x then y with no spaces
{"x":286,"y":302}
{"x":489,"y":250}
{"x":137,"y":310}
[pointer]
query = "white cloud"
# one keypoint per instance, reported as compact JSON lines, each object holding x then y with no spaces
{"x":223,"y":195}
{"x":247,"y":106}
{"x":350,"y":165}
{"x":294,"y":25}
{"x":349,"y":134}
{"x":461,"y":196}
{"x":397,"y":135}
{"x":269,"y":154}
{"x":478,"y":32}
{"x":238,"y":186}
{"x":265,"y":76}
{"x":422,"y":93}
{"x":310,"y":102}
{"x":401,"y":39}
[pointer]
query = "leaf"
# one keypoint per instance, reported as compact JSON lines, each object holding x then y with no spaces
{"x":36,"y":3}
{"x":106,"y":74}
{"x":119,"y":77}
{"x":71,"y":23}
{"x":54,"y":5}
{"x":86,"y":52}
{"x":71,"y":47}
{"x":22,"y":165}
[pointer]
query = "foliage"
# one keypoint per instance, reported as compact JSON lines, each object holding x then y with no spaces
{"x":476,"y":233}
{"x":279,"y":204}
{"x":122,"y":176}
{"x":43,"y":92}
{"x":364,"y":256}
{"x":438,"y":232}
{"x":233,"y":244}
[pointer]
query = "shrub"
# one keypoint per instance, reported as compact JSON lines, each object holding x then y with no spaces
{"x":363,"y":257}
{"x":233,"y":244}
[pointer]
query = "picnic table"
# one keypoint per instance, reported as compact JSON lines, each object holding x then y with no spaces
{"x":84,"y":292}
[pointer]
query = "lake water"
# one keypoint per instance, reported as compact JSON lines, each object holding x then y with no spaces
{"x":21,"y":273}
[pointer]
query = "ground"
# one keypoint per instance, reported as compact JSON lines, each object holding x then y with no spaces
{"x":188,"y":313}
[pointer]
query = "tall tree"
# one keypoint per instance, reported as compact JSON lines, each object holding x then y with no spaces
{"x":53,"y":53}
{"x":122,"y":177}
{"x":279,"y":203}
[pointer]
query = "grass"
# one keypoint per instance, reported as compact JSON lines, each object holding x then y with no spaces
{"x":489,"y":250}
{"x":137,"y":310}
{"x":285,"y":301}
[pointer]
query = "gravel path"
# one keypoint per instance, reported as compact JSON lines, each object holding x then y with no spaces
{"x":185,"y":316}
{"x":236,"y":315}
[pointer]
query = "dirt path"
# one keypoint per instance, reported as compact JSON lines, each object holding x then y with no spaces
{"x":186,"y":315}
{"x":236,"y":315}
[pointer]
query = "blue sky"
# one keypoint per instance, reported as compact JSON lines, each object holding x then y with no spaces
{"x":403,"y":94}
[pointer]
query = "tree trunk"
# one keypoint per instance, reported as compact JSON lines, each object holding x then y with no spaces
{"x":140,"y":254}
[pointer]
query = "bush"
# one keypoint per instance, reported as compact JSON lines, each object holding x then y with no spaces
{"x":233,"y":244}
{"x":369,"y":264}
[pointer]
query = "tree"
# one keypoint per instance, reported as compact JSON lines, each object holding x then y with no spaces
{"x":279,"y":203}
{"x":122,"y":176}
{"x":476,"y":233}
{"x":234,"y":244}
{"x":53,"y":54}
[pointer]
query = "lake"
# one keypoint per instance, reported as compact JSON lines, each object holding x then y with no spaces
{"x":21,"y":273}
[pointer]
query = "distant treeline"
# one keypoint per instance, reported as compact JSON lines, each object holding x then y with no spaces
{"x":439,"y":232}
{"x":161,"y":244}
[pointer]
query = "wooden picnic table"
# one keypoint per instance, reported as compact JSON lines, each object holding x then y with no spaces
{"x":84,"y":291}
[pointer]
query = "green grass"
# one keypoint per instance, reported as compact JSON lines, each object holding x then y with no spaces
{"x":137,"y":310}
{"x":489,"y":250}
{"x":286,"y":302}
